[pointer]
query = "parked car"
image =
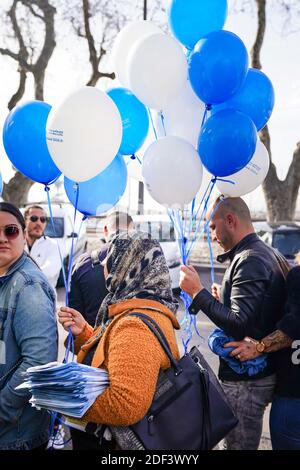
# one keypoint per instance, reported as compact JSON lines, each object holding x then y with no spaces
{"x":285,"y":237}
{"x":62,"y":231}
{"x":161,"y":228}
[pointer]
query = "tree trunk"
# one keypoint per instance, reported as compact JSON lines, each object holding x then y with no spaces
{"x":39,"y":80}
{"x":16,"y":191}
{"x":281,"y":196}
{"x":20,"y":91}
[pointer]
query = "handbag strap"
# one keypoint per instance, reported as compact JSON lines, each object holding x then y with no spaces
{"x":156,"y":330}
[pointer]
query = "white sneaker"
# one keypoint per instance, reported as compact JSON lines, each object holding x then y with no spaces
{"x":57,"y":441}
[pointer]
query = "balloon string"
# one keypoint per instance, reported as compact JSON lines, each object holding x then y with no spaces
{"x":205,"y":200}
{"x":207,"y":108}
{"x":138,"y":159}
{"x":180,"y":225}
{"x":70,"y":339}
{"x":163,"y":122}
{"x":152,"y":123}
{"x":224,"y":180}
{"x":47,"y":189}
{"x":207,"y":230}
{"x":188,"y":54}
{"x":72,"y":245}
{"x":211,"y":258}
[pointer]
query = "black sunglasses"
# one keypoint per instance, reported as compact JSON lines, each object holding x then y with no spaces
{"x":11,"y":232}
{"x":35,"y":218}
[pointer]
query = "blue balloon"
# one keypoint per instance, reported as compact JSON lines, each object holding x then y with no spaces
{"x":227,"y":142}
{"x":135,"y":120}
{"x":24,"y":139}
{"x":255,"y":98}
{"x":102,"y":192}
{"x":218,"y":67}
{"x":1,"y":185}
{"x":191,"y":20}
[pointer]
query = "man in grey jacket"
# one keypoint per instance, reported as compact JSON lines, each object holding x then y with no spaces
{"x":249,"y":303}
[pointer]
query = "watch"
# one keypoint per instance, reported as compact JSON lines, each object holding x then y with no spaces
{"x":260,"y":347}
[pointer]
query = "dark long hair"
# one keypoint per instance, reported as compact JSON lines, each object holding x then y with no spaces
{"x":13,"y":210}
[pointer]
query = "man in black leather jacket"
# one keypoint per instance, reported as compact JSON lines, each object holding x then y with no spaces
{"x":249,"y":303}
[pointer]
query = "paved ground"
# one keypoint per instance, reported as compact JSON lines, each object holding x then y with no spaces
{"x":204,"y":325}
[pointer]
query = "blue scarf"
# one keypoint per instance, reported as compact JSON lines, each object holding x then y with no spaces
{"x":216,"y":342}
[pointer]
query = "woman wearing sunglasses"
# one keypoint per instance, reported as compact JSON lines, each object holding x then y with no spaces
{"x":28,"y":335}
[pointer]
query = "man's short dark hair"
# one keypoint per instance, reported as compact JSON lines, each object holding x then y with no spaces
{"x":34,"y":206}
{"x":235,"y":205}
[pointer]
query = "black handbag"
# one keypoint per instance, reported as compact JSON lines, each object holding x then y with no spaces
{"x":189,"y":410}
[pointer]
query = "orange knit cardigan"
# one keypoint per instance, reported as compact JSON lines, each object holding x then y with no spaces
{"x":133,"y":357}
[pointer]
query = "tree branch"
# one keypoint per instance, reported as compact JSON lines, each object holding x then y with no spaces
{"x":95,"y":77}
{"x":20,"y":91}
{"x":255,"y":52}
{"x":94,"y":58}
{"x":90,"y":39}
{"x":32,"y":10}
{"x":39,"y":68}
{"x":12,"y":55}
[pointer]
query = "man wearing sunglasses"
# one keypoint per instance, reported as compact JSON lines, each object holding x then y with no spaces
{"x":42,"y":249}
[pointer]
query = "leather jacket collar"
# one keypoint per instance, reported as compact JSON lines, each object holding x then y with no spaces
{"x":229,"y":255}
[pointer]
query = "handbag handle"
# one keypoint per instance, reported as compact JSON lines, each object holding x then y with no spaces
{"x":156,"y":330}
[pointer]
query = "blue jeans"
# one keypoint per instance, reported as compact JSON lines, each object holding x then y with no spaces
{"x":285,"y":423}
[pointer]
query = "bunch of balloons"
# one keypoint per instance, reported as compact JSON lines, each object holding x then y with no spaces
{"x":208,"y":98}
{"x":209,"y":107}
{"x":240,"y":100}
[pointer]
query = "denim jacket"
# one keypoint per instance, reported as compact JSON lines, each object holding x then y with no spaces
{"x":28,"y":337}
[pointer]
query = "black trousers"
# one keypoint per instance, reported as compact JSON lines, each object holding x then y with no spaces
{"x":84,"y":441}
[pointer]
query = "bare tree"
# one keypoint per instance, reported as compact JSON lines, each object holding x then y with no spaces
{"x":112,"y":15}
{"x":31,"y":44}
{"x":95,"y":21}
{"x":280,"y":195}
{"x":33,"y":55}
{"x":98,"y":22}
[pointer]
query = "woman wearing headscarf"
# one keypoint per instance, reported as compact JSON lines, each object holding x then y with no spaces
{"x":138,"y":280}
{"x":28,"y":335}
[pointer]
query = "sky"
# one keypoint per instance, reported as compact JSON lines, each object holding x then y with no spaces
{"x":69,"y":70}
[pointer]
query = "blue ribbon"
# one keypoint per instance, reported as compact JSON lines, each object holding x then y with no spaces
{"x":152,"y":123}
{"x":47,"y":189}
{"x":163,"y":122}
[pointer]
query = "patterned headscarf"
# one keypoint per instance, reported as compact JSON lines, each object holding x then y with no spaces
{"x":137,"y":268}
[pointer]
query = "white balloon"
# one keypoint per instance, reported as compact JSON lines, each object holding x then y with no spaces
{"x":125,"y":40}
{"x":183,"y":117}
{"x":250,"y":177}
{"x":157,"y":70}
{"x":172,"y":171}
{"x":84,"y":133}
